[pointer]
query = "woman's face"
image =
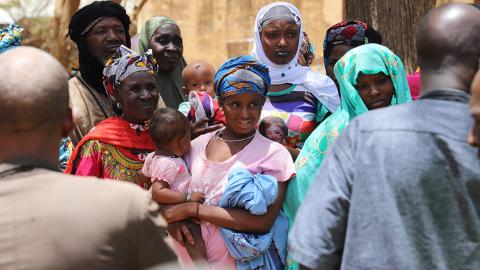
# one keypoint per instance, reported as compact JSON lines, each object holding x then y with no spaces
{"x":167,"y":46}
{"x":376,"y":90}
{"x":280,"y":41}
{"x":242,"y":112}
{"x":335,"y":54}
{"x":138,"y":96}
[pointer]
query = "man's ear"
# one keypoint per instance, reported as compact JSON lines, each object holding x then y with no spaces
{"x":67,"y":125}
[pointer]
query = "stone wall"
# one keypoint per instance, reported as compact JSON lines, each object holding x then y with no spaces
{"x":214,"y":30}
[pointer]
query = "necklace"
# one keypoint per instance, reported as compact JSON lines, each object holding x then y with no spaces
{"x":217,"y":137}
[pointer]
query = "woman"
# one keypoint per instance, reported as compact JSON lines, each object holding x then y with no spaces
{"x":162,"y":35}
{"x":370,"y":77}
{"x":117,"y":146}
{"x":241,"y":85}
{"x":299,"y":96}
{"x":342,"y":37}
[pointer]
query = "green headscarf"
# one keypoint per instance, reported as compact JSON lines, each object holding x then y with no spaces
{"x":365,"y":59}
{"x":170,"y":84}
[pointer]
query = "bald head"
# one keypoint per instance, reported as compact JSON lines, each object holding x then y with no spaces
{"x":448,"y":39}
{"x":33,"y":90}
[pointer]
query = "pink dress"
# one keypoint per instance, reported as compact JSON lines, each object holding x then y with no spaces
{"x":175,"y":172}
{"x":261,"y":155}
{"x":172,"y":170}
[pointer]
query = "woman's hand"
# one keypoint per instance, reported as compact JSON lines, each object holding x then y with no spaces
{"x":180,"y":232}
{"x":180,"y":211}
{"x":198,"y":129}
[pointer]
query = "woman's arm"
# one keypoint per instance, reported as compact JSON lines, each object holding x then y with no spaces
{"x":231,"y":218}
{"x":294,"y":152}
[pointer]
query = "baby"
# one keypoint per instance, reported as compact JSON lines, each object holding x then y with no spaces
{"x":198,"y":86}
{"x":273,"y":128}
{"x":170,"y":130}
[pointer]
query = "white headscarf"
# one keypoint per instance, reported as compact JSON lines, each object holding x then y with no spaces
{"x":321,"y":86}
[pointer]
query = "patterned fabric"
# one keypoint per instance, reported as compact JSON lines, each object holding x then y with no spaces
{"x":255,"y":194}
{"x":114,"y":149}
{"x":243,"y":74}
{"x":299,"y":109}
{"x":122,"y":64}
{"x":367,"y":59}
{"x":10,"y":36}
{"x":350,"y":32}
{"x":169,"y":83}
{"x":202,"y":106}
{"x":66,"y":150}
{"x":307,"y":52}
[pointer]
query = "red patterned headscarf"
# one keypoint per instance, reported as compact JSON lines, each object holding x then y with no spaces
{"x":350,"y":32}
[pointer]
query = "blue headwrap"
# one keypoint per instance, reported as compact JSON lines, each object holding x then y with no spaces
{"x":243,"y":74}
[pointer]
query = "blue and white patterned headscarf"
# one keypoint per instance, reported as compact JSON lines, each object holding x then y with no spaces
{"x":242,"y":74}
{"x":10,"y":36}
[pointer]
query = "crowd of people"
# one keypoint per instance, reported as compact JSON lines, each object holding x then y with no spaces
{"x":260,"y":164}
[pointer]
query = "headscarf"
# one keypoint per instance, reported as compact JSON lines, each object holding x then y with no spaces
{"x":82,"y":21}
{"x":124,"y":63}
{"x":170,"y":84}
{"x":307,"y":51}
{"x":243,"y":74}
{"x":349,"y":32}
{"x":10,"y":36}
{"x":319,"y":85}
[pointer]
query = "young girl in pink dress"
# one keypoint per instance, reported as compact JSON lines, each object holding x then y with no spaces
{"x":241,"y":85}
{"x":170,"y":130}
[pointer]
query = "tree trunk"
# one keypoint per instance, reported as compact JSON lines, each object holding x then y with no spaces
{"x":64,"y":10}
{"x":396,"y":20}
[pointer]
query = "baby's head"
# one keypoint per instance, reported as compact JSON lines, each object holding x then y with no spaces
{"x":170,"y":130}
{"x":273,"y":128}
{"x":198,"y":76}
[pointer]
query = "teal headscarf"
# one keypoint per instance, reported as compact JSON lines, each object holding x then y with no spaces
{"x":170,"y":84}
{"x":365,"y":59}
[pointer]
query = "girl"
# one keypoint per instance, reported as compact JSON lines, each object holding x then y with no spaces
{"x":241,"y":85}
{"x":170,"y":130}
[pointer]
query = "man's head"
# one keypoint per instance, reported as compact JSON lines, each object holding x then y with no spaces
{"x":33,"y":98}
{"x":98,"y":29}
{"x":448,"y":46}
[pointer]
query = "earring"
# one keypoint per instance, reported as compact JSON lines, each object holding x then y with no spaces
{"x":119,"y":106}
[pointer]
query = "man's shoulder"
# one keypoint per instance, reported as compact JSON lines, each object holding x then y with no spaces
{"x":95,"y":189}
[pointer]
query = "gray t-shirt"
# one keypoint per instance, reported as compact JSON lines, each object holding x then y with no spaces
{"x":400,"y":189}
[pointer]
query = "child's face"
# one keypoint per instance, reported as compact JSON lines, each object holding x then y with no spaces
{"x":274,"y":133}
{"x":200,"y":79}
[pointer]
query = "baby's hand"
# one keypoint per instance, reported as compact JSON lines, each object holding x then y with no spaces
{"x":197,"y":197}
